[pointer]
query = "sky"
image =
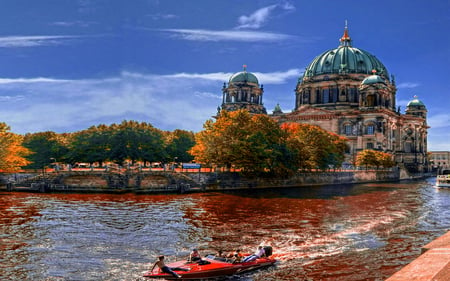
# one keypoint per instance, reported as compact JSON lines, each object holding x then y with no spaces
{"x":66,"y":65}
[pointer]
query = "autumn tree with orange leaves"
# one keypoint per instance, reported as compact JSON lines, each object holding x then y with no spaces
{"x":240,"y":140}
{"x":372,"y":158}
{"x":256,"y":143}
{"x":313,"y":147}
{"x":12,"y":153}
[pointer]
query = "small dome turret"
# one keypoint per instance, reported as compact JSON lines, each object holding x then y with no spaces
{"x":415,"y":102}
{"x":416,"y":107}
{"x":244,"y":76}
{"x":243,"y":92}
{"x":373,"y":79}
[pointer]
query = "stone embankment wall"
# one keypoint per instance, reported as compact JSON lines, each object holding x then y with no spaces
{"x":220,"y":181}
{"x":180,"y":182}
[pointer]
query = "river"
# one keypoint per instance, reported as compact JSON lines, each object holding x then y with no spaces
{"x":339,"y":232}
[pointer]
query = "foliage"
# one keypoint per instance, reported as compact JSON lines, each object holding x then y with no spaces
{"x":129,"y":140}
{"x":90,"y":145}
{"x":251,"y":143}
{"x":256,"y":143}
{"x":313,"y":147}
{"x":12,"y":153}
{"x":373,"y":158}
{"x":177,"y":144}
{"x":46,"y":148}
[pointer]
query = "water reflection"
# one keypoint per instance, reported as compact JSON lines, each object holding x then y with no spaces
{"x":344,"y":232}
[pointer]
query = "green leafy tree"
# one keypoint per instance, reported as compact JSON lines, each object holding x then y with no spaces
{"x":91,"y":145}
{"x":135,"y":141}
{"x":46,"y":148}
{"x":178,"y":144}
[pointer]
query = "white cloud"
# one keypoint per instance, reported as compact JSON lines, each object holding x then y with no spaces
{"x":439,"y":120}
{"x":11,"y":98}
{"x":30,"y":80}
{"x":177,"y":101}
{"x":277,"y":77}
{"x":73,"y":23}
{"x":33,"y":41}
{"x":261,"y":16}
{"x":407,"y":85}
{"x":163,"y":16}
{"x":227,"y":35}
{"x":256,"y":19}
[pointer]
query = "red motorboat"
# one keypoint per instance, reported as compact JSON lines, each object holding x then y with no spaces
{"x":210,"y":267}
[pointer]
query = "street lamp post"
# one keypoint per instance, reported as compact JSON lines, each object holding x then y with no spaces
{"x":174,"y":161}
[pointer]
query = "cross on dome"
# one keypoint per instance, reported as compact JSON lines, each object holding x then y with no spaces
{"x":345,"y":39}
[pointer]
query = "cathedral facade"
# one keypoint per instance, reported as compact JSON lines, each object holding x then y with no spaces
{"x":349,"y":92}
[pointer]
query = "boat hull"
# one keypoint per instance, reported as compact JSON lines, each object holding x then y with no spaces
{"x":214,"y":269}
{"x":443,"y":181}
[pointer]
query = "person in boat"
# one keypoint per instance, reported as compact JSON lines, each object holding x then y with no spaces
{"x":259,"y":253}
{"x":220,"y":254}
{"x":164,"y":268}
{"x":194,"y":256}
{"x":236,"y":256}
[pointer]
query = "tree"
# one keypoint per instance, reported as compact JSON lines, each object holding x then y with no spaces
{"x":91,"y":145}
{"x":178,"y":144}
{"x":252,"y":143}
{"x":373,"y":158}
{"x":313,"y":147}
{"x":12,"y":153}
{"x":46,"y":147}
{"x":135,"y":141}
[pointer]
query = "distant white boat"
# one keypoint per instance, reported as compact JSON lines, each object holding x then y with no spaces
{"x":443,"y":180}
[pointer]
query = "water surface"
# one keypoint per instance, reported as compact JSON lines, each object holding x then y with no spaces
{"x":340,"y":232}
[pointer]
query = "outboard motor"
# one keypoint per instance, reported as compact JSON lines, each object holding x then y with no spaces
{"x":268,"y":250}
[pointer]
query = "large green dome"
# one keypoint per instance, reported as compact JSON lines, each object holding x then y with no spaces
{"x":345,"y":59}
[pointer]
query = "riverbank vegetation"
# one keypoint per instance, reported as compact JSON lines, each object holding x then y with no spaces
{"x":257,"y":144}
{"x":12,"y":153}
{"x":251,"y":143}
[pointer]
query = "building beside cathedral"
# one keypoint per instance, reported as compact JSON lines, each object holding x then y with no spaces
{"x":347,"y":91}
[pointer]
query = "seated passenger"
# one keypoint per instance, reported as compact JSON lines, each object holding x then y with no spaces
{"x":220,"y":254}
{"x":164,"y":268}
{"x":237,"y":256}
{"x":258,"y":254}
{"x":194,"y":256}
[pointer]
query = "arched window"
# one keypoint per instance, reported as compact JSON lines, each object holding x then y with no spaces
{"x":348,"y":129}
{"x":370,"y":129}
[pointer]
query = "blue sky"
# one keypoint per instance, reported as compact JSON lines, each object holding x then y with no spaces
{"x":66,"y":65}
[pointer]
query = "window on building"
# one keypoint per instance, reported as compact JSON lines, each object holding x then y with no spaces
{"x":408,"y":147}
{"x":334,"y":94}
{"x":370,"y":129}
{"x":369,"y":145}
{"x":353,"y":95}
{"x":348,"y":130}
{"x":326,"y":95}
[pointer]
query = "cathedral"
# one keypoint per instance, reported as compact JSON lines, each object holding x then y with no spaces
{"x":346,"y":91}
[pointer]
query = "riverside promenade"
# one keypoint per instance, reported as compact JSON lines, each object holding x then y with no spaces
{"x":433,"y":264}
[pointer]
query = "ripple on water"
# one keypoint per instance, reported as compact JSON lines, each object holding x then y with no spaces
{"x":322,"y":233}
